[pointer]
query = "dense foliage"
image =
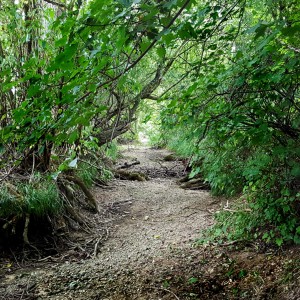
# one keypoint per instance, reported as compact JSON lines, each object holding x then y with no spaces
{"x":73,"y":75}
{"x":240,"y":112}
{"x":224,"y":75}
{"x":68,"y":73}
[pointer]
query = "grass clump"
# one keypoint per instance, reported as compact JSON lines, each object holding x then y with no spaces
{"x":10,"y":204}
{"x":38,"y":198}
{"x":42,"y":200}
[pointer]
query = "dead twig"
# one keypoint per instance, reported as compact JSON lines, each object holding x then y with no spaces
{"x":166,"y":290}
{"x":128,"y":165}
{"x":96,"y":247}
{"x":100,"y":239}
{"x":236,"y":211}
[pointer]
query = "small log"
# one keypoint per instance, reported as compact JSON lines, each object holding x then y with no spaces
{"x":195,"y":184}
{"x":184,"y":179}
{"x":128,"y":165}
{"x":125,"y":175}
{"x":187,"y":178}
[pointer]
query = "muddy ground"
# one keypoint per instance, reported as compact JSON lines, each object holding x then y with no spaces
{"x":143,"y":245}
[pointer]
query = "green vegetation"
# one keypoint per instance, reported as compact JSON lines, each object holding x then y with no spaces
{"x":218,"y":81}
{"x":242,"y":107}
{"x":39,"y":198}
{"x":87,"y":173}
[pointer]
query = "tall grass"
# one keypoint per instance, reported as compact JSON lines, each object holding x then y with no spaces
{"x":39,"y":198}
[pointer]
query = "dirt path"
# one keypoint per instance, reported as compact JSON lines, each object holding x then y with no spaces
{"x":147,"y":248}
{"x":162,"y":215}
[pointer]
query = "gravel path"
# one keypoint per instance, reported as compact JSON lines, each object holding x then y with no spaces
{"x":160,"y":223}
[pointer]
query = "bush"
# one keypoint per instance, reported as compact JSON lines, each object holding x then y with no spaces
{"x":111,"y":150}
{"x":87,"y":173}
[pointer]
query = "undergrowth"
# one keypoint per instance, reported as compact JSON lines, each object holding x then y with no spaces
{"x":111,"y":151}
{"x":48,"y":199}
{"x":87,"y":172}
{"x":264,"y":174}
{"x":39,"y":198}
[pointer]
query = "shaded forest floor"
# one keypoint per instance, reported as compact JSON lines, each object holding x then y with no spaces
{"x":142,"y":246}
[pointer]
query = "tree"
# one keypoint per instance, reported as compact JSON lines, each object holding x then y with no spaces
{"x":72,"y":77}
{"x":241,"y":103}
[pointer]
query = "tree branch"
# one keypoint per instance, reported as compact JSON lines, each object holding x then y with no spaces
{"x":186,"y":3}
{"x":152,"y":97}
{"x":56,"y":3}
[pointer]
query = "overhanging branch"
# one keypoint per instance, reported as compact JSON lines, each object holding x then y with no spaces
{"x":153,"y":43}
{"x":56,"y":3}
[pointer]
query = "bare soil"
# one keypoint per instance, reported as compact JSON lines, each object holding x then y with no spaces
{"x":143,"y":245}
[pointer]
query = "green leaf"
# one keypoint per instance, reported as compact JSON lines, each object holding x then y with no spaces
{"x":55,"y":175}
{"x":260,"y":30}
{"x":161,"y":52}
{"x":168,"y":38}
{"x":291,"y":31}
{"x":82,"y":121}
{"x":297,"y":239}
{"x":144,"y":45}
{"x":193,"y":280}
{"x":33,"y":90}
{"x":265,"y":236}
{"x":73,"y":163}
{"x":295,"y":171}
{"x":73,"y":137}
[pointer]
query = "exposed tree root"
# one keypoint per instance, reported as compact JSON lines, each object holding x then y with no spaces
{"x":89,"y":196}
{"x":25,"y":231}
{"x":11,"y":222}
{"x":75,"y":215}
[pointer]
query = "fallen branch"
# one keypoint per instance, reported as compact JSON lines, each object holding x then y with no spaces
{"x":163,"y":289}
{"x":127,"y":165}
{"x":195,"y":184}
